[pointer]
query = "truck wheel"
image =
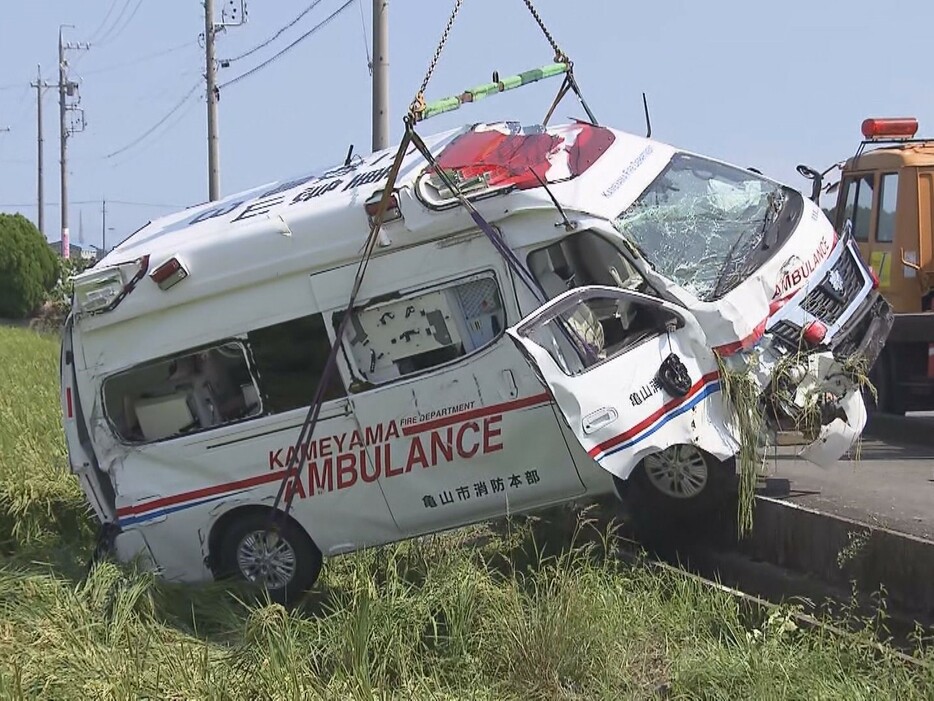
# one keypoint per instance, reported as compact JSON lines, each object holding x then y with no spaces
{"x":886,"y":401}
{"x":680,"y":482}
{"x":286,"y":564}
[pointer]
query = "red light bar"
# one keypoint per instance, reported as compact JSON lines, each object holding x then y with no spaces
{"x":893,"y":128}
{"x":169,"y":273}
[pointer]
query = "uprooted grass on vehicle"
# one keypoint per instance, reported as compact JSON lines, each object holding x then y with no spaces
{"x":523,"y":609}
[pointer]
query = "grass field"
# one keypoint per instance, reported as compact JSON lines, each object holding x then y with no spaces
{"x":481,"y":614}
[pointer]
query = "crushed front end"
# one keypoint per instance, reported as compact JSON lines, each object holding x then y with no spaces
{"x":789,"y":307}
{"x":814,"y":358}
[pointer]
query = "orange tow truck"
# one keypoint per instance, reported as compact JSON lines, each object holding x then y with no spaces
{"x":885,"y":194}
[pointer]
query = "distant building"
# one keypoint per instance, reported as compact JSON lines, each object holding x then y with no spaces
{"x":75,"y":251}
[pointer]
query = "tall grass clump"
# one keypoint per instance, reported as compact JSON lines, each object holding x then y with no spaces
{"x":38,"y":496}
{"x":529,"y":608}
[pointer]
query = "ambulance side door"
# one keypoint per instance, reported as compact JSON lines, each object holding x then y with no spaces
{"x":644,"y":380}
{"x":456,"y":426}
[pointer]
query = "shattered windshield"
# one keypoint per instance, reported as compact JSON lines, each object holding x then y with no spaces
{"x":707,"y":226}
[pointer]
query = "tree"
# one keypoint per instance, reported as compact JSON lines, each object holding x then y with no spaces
{"x":29,"y":268}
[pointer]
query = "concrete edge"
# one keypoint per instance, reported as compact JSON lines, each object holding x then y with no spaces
{"x":840,"y":551}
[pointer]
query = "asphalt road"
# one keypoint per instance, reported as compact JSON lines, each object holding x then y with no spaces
{"x":890,"y":483}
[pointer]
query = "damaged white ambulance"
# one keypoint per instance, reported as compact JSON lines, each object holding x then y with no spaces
{"x":194,"y":348}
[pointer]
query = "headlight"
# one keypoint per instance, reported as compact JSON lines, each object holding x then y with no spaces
{"x":99,"y":290}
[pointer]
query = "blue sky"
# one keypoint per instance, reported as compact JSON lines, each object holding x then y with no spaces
{"x":758,"y":84}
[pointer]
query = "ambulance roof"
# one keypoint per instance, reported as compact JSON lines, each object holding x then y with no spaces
{"x":319,"y":221}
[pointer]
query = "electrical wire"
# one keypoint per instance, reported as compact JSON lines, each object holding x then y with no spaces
{"x":109,"y":31}
{"x":158,"y":124}
{"x":94,"y":34}
{"x":278,"y":34}
{"x":111,"y":36}
{"x":156,"y":205}
{"x":291,"y":46}
{"x":160,"y":205}
{"x":366,"y":42}
{"x":139,"y":59}
{"x":167,"y":127}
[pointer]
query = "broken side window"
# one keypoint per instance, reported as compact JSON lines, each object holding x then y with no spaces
{"x":582,"y":259}
{"x":182,"y":394}
{"x":597,"y":327}
{"x":425,"y":329}
{"x":290,"y":359}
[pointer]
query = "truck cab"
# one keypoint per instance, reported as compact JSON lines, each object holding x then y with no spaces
{"x":885,"y":196}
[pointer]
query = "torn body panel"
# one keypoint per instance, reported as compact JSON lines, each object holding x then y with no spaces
{"x":794,"y":311}
{"x":627,"y":394}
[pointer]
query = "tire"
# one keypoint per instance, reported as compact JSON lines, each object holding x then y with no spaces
{"x":882,"y":377}
{"x":299,"y":558}
{"x":660,"y":490}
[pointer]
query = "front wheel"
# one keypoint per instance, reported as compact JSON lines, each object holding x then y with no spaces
{"x":681,"y":482}
{"x":285,"y":562}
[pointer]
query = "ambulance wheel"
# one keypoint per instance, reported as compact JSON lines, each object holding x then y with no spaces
{"x":681,"y":482}
{"x":286,"y":563}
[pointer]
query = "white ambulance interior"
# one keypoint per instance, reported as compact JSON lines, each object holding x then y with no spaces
{"x":417,"y":331}
{"x":199,"y":390}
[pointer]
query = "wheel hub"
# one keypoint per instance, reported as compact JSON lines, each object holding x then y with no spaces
{"x":679,"y":471}
{"x":266,"y":558}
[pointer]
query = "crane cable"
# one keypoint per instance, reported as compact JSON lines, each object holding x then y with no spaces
{"x":417,"y":107}
{"x":298,"y":455}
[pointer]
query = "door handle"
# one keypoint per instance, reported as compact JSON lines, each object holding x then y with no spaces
{"x":509,"y":382}
{"x":596,"y":420}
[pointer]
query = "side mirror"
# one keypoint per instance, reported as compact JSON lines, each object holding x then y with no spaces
{"x":815,"y":178}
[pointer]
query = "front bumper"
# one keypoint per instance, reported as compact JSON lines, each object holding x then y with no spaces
{"x":863,"y":338}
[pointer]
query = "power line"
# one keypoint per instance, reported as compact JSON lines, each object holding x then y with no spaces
{"x":129,"y":20}
{"x":111,"y":35}
{"x":94,"y":34}
{"x":366,"y":44}
{"x":157,"y":205}
{"x":139,"y":59}
{"x":108,"y":32}
{"x":291,"y":46}
{"x":157,"y":124}
{"x":146,"y":204}
{"x":119,"y":162}
{"x":277,"y":34}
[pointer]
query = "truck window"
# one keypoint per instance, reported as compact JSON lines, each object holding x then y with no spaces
{"x":888,"y":195}
{"x":182,"y":394}
{"x":858,"y":208}
{"x":425,"y":329}
{"x":290,"y":359}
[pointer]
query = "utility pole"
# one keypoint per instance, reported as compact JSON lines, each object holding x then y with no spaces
{"x":39,"y":85}
{"x":210,"y":76}
{"x":380,"y":74}
{"x":65,"y":88}
{"x":104,"y":226}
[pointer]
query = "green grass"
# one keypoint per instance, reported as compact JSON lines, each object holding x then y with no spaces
{"x":481,"y":613}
